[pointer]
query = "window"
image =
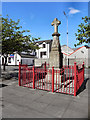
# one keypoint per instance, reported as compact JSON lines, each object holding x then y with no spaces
{"x":37,"y":45}
{"x":2,"y":60}
{"x":9,"y":60}
{"x":42,"y":53}
{"x":35,"y":53}
{"x":44,"y":45}
{"x":82,"y":51}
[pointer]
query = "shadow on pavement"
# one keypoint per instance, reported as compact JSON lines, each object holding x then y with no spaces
{"x":83,"y":86}
{"x":3,"y":85}
{"x":8,"y":76}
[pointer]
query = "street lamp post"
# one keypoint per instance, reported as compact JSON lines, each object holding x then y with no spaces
{"x":67,"y":36}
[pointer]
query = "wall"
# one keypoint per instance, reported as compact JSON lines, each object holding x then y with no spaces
{"x":80,"y":53}
{"x":78,"y":61}
{"x":64,"y":49}
{"x":43,"y":50}
{"x":39,"y":62}
{"x":28,"y":61}
{"x":15,"y":60}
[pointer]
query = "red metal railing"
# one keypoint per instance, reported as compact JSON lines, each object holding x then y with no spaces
{"x":78,"y":76}
{"x":25,"y":76}
{"x":66,"y":80}
{"x":42,"y":79}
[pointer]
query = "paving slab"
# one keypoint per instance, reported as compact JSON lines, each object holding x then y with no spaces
{"x":57,"y":111}
{"x":74,"y":114}
{"x":23,"y":102}
{"x":15,"y":111}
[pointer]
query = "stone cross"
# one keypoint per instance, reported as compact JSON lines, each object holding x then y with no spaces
{"x":56,"y":23}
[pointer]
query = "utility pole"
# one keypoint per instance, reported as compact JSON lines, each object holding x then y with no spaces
{"x":67,"y":36}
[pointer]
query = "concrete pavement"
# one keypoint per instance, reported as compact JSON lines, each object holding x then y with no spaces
{"x":21,"y":102}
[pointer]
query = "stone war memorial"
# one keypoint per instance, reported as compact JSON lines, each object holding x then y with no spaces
{"x":55,"y":54}
{"x":65,"y":79}
{"x":56,"y":57}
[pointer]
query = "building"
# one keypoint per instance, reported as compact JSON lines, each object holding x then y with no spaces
{"x":70,"y":55}
{"x":45,"y":47}
{"x":28,"y":58}
{"x":79,"y":55}
{"x":66,"y":50}
{"x":14,"y":59}
{"x":40,"y":56}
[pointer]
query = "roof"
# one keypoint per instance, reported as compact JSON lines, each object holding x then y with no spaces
{"x":75,"y":48}
{"x":27,"y":56}
{"x":46,"y":41}
{"x":64,"y":49}
{"x":66,"y":46}
{"x":74,"y":51}
{"x":81,"y":47}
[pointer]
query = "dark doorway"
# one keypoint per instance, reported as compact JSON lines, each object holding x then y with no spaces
{"x":2,"y":61}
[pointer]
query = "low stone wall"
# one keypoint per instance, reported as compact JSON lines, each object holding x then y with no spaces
{"x":39,"y":62}
{"x":78,"y":61}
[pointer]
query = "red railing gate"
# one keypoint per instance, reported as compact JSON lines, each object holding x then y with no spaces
{"x":67,"y":80}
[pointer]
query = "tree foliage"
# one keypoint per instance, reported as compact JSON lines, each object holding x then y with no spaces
{"x":83,"y":35}
{"x":13,"y":38}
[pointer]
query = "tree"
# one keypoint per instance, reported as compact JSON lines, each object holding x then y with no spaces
{"x":13,"y":39}
{"x":83,"y":35}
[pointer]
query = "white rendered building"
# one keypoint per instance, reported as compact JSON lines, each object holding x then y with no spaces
{"x":78,"y":55}
{"x":45,"y":47}
{"x":14,"y":59}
